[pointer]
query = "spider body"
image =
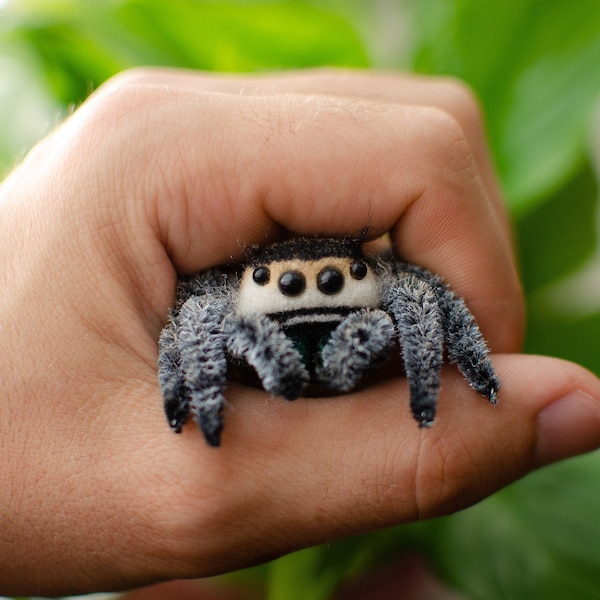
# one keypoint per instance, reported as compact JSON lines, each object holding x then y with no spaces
{"x":313,"y":311}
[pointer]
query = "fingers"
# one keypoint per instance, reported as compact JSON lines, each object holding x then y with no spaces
{"x":214,"y":172}
{"x":449,"y":95}
{"x":313,"y":470}
{"x":184,"y":161}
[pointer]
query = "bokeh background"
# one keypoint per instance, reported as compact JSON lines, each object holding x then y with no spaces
{"x":535,"y":65}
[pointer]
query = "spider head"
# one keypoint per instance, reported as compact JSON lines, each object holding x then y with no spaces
{"x":308,"y":275}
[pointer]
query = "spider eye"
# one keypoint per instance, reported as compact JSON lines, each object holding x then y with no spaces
{"x":292,"y":283}
{"x":358,"y":270}
{"x":261,"y":275}
{"x":330,"y":281}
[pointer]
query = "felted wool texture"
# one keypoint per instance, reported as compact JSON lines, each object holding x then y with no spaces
{"x":203,"y":362}
{"x":260,"y":342}
{"x":330,"y":338}
{"x":419,"y":322}
{"x":308,"y":248}
{"x":357,"y":345}
{"x":256,"y":299}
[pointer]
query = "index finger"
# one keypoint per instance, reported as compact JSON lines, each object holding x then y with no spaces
{"x":448,"y":94}
{"x":220,"y":172}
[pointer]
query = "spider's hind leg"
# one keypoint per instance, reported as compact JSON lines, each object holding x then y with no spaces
{"x":170,"y":378}
{"x":419,"y":322}
{"x":468,"y":350}
{"x":465,"y":345}
{"x":358,"y":344}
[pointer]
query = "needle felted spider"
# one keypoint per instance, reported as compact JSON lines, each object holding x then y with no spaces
{"x":313,"y":311}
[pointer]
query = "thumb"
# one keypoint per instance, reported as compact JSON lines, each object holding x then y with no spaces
{"x":386,"y":469}
{"x":323,"y":468}
{"x":549,"y":410}
{"x":568,"y":423}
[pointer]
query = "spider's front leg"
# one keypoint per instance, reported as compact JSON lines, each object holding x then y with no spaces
{"x":357,"y":345}
{"x":419,"y":323}
{"x":193,"y":365}
{"x":259,"y":342}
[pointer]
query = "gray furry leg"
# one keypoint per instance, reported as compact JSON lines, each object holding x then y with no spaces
{"x":358,"y":344}
{"x":419,"y":321}
{"x":468,"y":350}
{"x":260,"y":343}
{"x":170,"y":378}
{"x":203,"y":363}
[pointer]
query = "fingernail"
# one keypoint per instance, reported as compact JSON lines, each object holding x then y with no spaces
{"x":568,"y":427}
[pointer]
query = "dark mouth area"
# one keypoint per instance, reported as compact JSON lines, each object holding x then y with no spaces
{"x":325,"y":316}
{"x":310,"y":330}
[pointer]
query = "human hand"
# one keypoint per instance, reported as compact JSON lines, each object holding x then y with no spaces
{"x":166,"y":172}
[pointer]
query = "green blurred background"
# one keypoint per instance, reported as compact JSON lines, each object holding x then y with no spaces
{"x":535,"y":64}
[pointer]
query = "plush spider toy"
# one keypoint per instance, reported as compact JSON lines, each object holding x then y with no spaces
{"x":313,"y":311}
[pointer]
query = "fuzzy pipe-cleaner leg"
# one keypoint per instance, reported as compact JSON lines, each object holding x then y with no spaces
{"x":259,"y":342}
{"x":358,"y":344}
{"x":419,"y":322}
{"x":467,"y":348}
{"x":203,"y":362}
{"x":465,"y":345}
{"x":170,"y":378}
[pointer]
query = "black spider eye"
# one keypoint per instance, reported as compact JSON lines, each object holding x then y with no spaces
{"x":358,"y":270}
{"x":330,"y":280}
{"x":292,"y":283}
{"x":261,"y":275}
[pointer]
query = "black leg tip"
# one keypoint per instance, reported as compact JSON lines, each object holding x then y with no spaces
{"x":291,"y":389}
{"x":425,"y":417}
{"x":212,"y":432}
{"x":176,"y":425}
{"x":493,"y":391}
{"x":214,"y":441}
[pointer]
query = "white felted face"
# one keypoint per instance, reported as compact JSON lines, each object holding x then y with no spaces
{"x":290,"y":285}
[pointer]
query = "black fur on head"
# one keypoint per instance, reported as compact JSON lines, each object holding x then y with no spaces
{"x":308,"y":248}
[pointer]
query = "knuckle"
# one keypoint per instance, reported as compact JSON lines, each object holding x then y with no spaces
{"x":115,"y":120}
{"x":136,"y":76}
{"x":460,"y":101}
{"x":442,"y":124}
{"x":124,"y":98}
{"x":444,"y":144}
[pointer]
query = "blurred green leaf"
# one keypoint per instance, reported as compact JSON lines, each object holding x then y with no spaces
{"x":534,"y":64}
{"x":569,"y":336}
{"x":304,"y":574}
{"x":26,"y":111}
{"x":82,"y":44}
{"x":318,"y":572}
{"x":537,"y":539}
{"x":558,"y":235}
{"x":229,"y":36}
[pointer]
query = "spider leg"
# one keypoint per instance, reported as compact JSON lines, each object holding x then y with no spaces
{"x":358,"y":344}
{"x":260,"y":342}
{"x":203,"y":365}
{"x":468,"y":350}
{"x":419,"y":324}
{"x":170,"y":377}
{"x":465,"y":345}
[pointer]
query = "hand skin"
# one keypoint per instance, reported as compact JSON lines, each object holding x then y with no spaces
{"x":162,"y":172}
